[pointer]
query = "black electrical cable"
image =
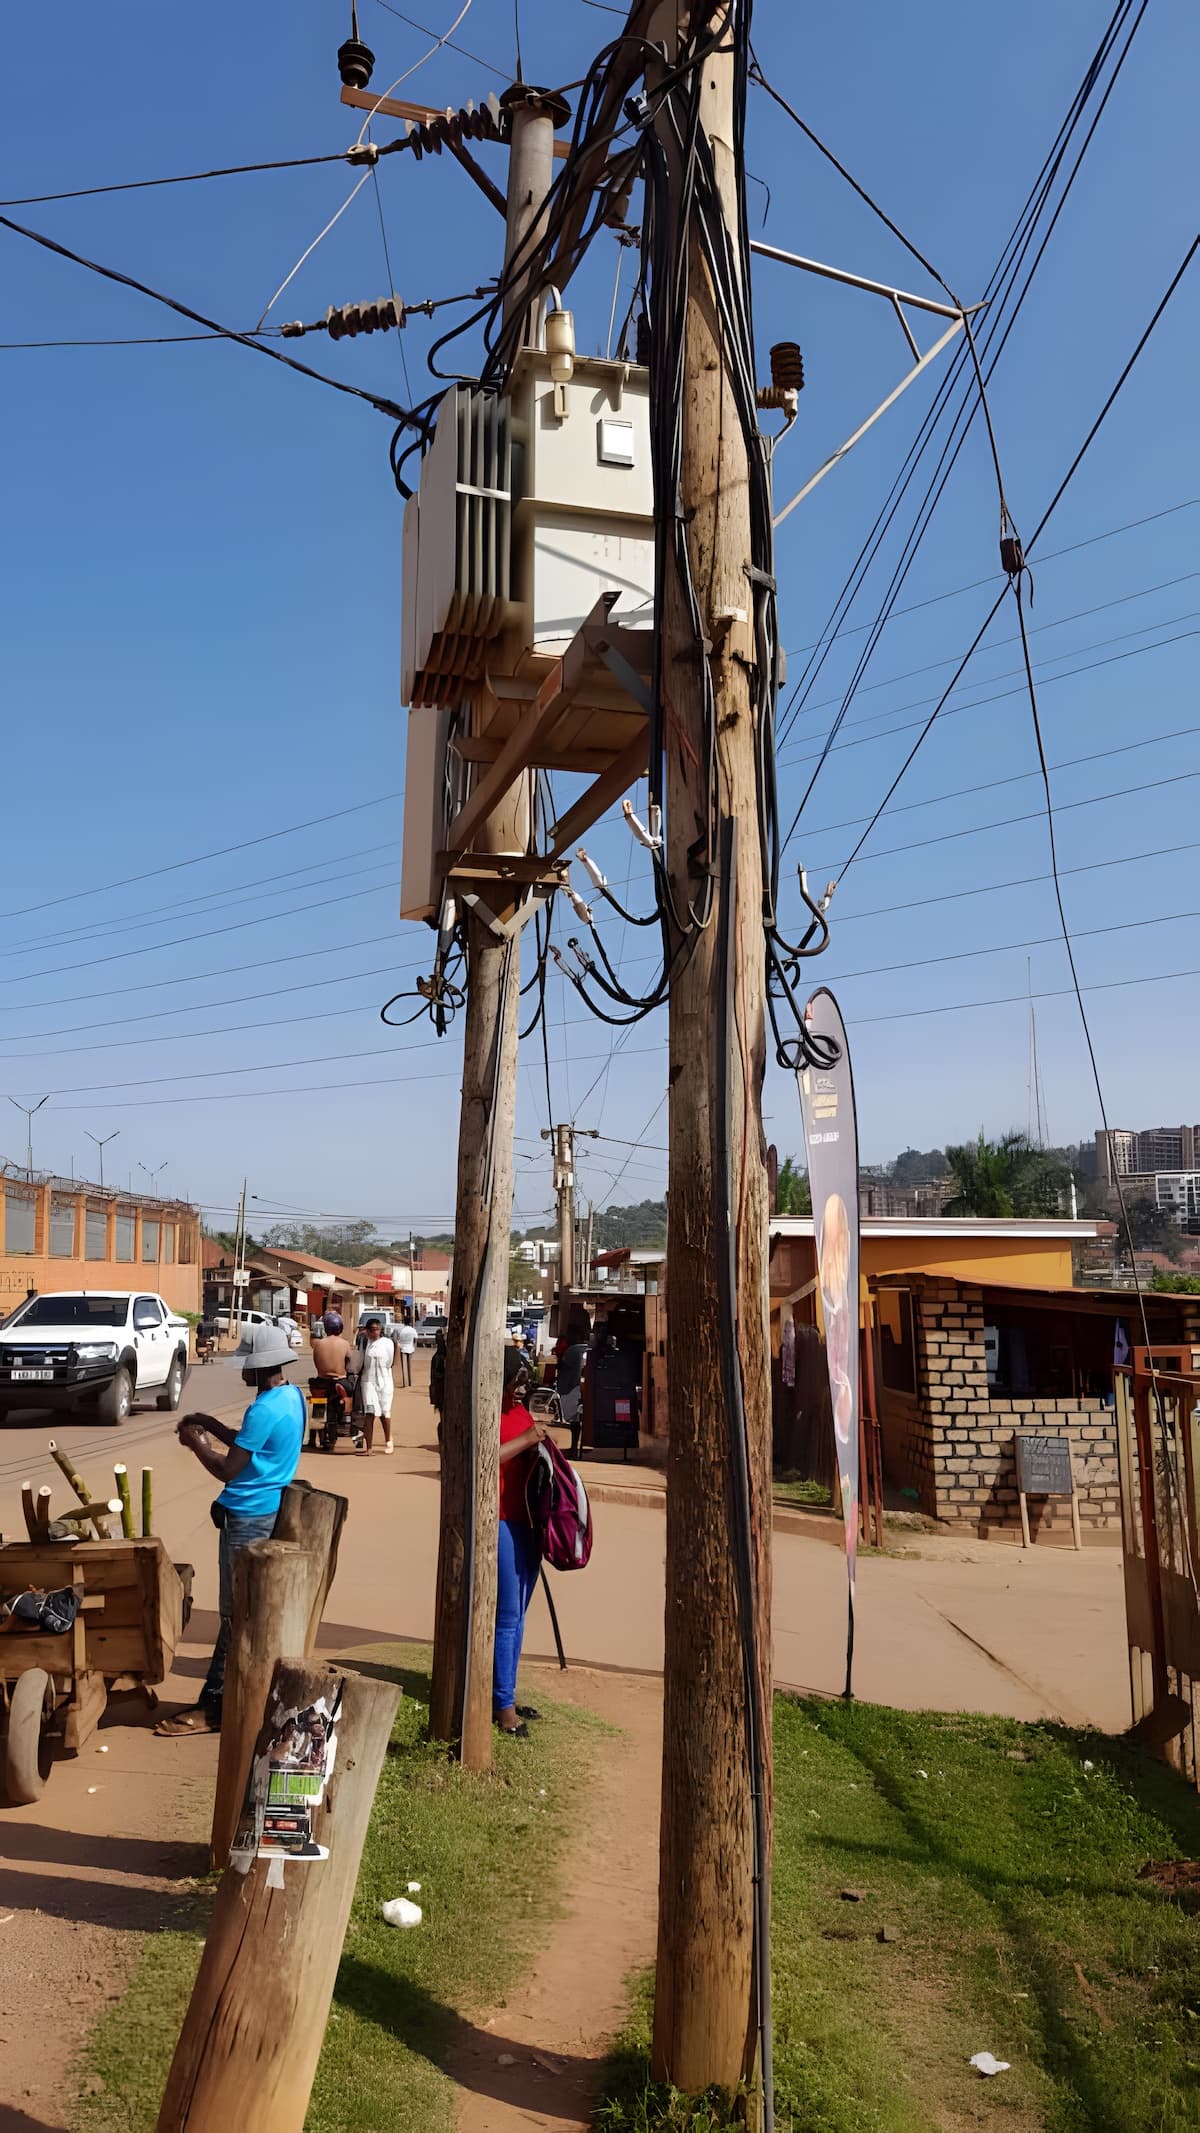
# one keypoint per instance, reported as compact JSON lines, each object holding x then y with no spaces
{"x":245,"y":340}
{"x":189,"y":177}
{"x":1042,"y":523}
{"x":1000,"y":696}
{"x":998,"y":290}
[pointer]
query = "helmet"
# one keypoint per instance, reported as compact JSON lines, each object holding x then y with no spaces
{"x":265,"y":1348}
{"x":332,"y":1322}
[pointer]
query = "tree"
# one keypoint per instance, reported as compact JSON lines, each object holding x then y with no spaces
{"x":1175,"y":1284}
{"x":1151,"y":1229}
{"x":793,"y":1194}
{"x":914,"y":1166}
{"x":1006,"y":1177}
{"x":345,"y":1243}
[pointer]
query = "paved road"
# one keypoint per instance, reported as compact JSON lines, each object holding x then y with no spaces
{"x":1029,"y":1634}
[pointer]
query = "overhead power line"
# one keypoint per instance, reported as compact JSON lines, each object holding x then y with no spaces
{"x":1078,"y":614}
{"x":246,"y":340}
{"x":275,"y":1091}
{"x":1050,"y":555}
{"x":1018,"y":777}
{"x":187,"y":177}
{"x":1042,"y":523}
{"x":999,"y":696}
{"x":220,"y":851}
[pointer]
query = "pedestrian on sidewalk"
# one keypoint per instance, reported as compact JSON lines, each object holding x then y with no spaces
{"x":569,"y":1386}
{"x":375,"y":1384}
{"x":519,"y":1558}
{"x":406,"y":1341}
{"x":255,"y":1463}
{"x":437,"y":1380}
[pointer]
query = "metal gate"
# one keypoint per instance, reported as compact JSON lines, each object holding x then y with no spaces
{"x":1158,"y":1424}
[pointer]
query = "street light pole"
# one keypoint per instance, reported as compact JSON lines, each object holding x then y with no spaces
{"x":29,"y":1110}
{"x":102,"y":1145}
{"x":153,"y":1174}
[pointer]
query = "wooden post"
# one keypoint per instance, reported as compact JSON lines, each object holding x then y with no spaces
{"x":274,"y":1583}
{"x":253,"y":2031}
{"x":705,"y":2011}
{"x":460,"y":1704}
{"x":313,"y":1518}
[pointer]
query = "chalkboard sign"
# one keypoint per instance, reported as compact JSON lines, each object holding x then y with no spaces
{"x":1044,"y":1466}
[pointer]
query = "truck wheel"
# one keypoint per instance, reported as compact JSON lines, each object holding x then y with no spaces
{"x":172,"y":1392}
{"x":26,"y":1762}
{"x":116,"y":1399}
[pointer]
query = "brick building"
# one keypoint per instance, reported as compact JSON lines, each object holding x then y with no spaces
{"x":979,"y":1335}
{"x":59,"y":1233}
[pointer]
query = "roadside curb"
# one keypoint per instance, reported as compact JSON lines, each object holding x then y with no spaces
{"x":783,"y":1520}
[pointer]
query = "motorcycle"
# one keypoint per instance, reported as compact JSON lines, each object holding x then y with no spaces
{"x":206,"y":1344}
{"x":331,"y":1414}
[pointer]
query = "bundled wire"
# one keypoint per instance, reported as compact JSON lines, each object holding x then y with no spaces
{"x":1005,"y":295}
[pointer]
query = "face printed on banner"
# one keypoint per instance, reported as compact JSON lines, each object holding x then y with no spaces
{"x":839,"y":1320}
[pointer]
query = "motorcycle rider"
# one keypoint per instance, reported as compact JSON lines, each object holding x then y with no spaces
{"x":333,"y":1361}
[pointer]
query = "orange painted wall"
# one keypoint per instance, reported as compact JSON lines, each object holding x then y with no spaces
{"x":1018,"y":1262}
{"x":176,"y":1280}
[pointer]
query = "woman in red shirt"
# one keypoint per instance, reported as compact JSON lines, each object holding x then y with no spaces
{"x":519,"y":1556}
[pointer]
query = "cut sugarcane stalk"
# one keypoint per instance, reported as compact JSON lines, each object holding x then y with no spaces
{"x":63,"y":1461}
{"x":27,"y":1506}
{"x":121,"y":1475}
{"x":147,"y":1502}
{"x":41,"y":1510}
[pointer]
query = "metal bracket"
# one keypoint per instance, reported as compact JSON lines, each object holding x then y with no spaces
{"x":897,"y":298}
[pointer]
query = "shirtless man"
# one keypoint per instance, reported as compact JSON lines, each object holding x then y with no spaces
{"x":331,"y":1352}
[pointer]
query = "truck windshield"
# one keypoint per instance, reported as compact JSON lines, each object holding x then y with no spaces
{"x":76,"y":1311}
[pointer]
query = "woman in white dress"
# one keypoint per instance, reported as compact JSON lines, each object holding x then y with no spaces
{"x":375,"y":1384}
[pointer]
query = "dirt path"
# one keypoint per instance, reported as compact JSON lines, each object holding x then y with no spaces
{"x":81,"y":1881}
{"x":556,"y":2026}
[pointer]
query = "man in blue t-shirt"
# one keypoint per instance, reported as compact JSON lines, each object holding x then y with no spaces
{"x":256,"y":1464}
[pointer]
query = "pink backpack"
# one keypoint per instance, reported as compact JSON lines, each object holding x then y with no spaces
{"x":559,"y":1511}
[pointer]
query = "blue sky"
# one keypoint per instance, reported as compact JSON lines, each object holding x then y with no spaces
{"x":201,"y":593}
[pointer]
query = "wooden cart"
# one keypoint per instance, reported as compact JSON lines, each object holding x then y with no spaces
{"x":53,"y":1689}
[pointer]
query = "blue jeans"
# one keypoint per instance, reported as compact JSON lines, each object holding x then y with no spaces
{"x":518,"y":1572}
{"x":236,"y":1534}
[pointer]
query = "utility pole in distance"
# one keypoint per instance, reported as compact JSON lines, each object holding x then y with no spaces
{"x":717,"y":1653}
{"x":460,"y":1706}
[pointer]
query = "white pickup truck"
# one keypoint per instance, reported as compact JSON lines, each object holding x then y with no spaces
{"x":92,"y":1351}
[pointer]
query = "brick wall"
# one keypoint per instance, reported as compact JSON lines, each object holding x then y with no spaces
{"x":954,"y":1442}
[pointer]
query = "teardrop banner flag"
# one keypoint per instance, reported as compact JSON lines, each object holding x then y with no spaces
{"x":831,"y":1141}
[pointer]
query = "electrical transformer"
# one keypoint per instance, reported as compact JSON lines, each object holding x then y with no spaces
{"x":533,"y":504}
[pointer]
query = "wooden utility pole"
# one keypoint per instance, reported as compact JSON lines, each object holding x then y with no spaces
{"x":563,"y":1139}
{"x":275,"y":1585}
{"x":460,"y":1707}
{"x":239,"y":1261}
{"x":706,"y":2014}
{"x":252,"y":2035}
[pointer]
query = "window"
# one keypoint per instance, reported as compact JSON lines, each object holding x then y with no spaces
{"x":95,"y":1233}
{"x":149,"y":1243}
{"x":62,"y":1228}
{"x":897,"y":1340}
{"x":168,"y":1243}
{"x":75,"y":1311}
{"x":146,"y":1313}
{"x":124,"y":1237}
{"x":20,"y":1219}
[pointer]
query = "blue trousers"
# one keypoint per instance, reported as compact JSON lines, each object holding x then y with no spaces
{"x":236,"y":1534}
{"x":518,"y":1574}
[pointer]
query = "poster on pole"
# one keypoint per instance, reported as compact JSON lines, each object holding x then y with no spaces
{"x":831,"y":1141}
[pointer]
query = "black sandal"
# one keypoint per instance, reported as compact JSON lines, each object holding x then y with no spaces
{"x":520,"y":1732}
{"x":526,"y":1710}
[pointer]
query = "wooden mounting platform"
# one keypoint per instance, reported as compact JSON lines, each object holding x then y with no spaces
{"x":554,"y":730}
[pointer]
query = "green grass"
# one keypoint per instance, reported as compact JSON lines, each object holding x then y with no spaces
{"x":481,"y":1849}
{"x":789,"y":1488}
{"x":1007,"y":1872}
